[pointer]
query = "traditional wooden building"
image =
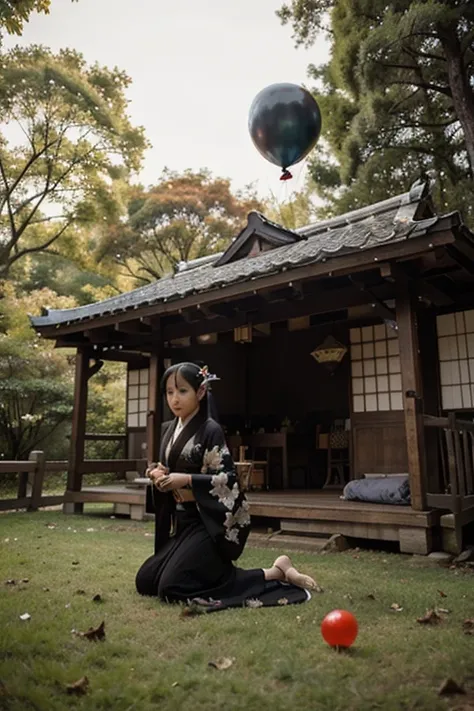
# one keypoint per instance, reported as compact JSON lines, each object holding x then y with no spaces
{"x":345,"y":349}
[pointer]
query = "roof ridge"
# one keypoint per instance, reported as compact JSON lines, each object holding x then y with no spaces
{"x":417,"y":192}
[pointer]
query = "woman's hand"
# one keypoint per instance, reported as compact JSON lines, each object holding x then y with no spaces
{"x":174,"y":481}
{"x":157,"y":473}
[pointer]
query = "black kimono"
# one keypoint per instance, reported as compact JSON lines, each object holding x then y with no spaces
{"x":194,"y":562}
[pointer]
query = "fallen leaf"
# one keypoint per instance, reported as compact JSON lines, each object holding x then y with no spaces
{"x":468,"y":626}
{"x":432,"y":617}
{"x":175,"y":683}
{"x":50,"y":525}
{"x":67,"y":605}
{"x":78,"y":687}
{"x":90,"y":530}
{"x":371,"y":596}
{"x":449,"y":686}
{"x":97,"y":598}
{"x":93,"y":634}
{"x":442,"y":610}
{"x":80,"y":592}
{"x":442,"y":594}
{"x":396,"y":607}
{"x":222,"y":663}
{"x":348,"y":597}
{"x":10,"y":582}
{"x":192,"y":611}
{"x":283,"y":601}
{"x":45,"y":589}
{"x":25,"y":616}
{"x":75,"y":562}
{"x":253,"y":602}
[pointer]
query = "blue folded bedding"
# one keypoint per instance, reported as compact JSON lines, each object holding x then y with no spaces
{"x":380,"y":490}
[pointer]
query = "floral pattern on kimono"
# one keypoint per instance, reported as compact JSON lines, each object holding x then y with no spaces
{"x":218,"y":480}
{"x":201,"y":450}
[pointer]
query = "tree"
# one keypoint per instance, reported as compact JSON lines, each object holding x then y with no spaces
{"x":71,"y":149}
{"x":36,"y":381}
{"x":297,"y":211}
{"x":399,"y":90}
{"x":14,"y":13}
{"x":183,"y":217}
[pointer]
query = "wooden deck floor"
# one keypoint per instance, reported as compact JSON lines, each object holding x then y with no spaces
{"x":303,"y":513}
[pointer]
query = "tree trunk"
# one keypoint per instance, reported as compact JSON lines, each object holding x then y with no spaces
{"x":462,"y":94}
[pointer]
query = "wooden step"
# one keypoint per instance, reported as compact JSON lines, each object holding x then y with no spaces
{"x":381,"y":532}
{"x":283,"y":543}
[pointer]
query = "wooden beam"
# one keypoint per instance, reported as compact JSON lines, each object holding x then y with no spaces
{"x":433,"y":294}
{"x":412,"y":390}
{"x":78,"y":429}
{"x":106,"y":337}
{"x":461,"y":259}
{"x":139,"y":360}
{"x":383,"y":311}
{"x":155,"y":414}
{"x":360,"y":261}
{"x":319,"y":303}
{"x":93,"y":369}
{"x":132,"y":327}
{"x":425,"y":289}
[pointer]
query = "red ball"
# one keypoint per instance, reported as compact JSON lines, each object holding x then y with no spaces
{"x":339,"y":628}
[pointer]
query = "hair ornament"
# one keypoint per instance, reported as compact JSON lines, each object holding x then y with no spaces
{"x":207,"y":377}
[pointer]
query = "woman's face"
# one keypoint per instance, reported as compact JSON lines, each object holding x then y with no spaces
{"x":182,"y":399}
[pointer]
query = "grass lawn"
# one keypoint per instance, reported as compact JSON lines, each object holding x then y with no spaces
{"x":153,"y":658}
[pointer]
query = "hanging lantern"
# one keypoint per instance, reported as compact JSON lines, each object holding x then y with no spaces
{"x":330,"y":353}
{"x":243,"y":334}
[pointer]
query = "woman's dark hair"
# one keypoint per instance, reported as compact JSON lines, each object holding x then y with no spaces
{"x":192,"y":374}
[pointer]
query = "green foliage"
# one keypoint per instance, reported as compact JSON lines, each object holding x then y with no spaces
{"x":299,"y":210}
{"x":71,"y":147}
{"x":183,"y":217}
{"x":106,"y":410}
{"x":36,"y":385}
{"x":397,"y":98}
{"x":36,"y":381}
{"x":14,"y":13}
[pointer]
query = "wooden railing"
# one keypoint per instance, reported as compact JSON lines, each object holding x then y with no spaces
{"x":455,"y":489}
{"x":32,"y":472}
{"x":30,"y":482}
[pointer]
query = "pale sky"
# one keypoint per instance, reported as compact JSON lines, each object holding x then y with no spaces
{"x":196,"y":67}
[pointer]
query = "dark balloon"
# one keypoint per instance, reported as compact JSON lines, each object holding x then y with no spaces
{"x":284,"y":123}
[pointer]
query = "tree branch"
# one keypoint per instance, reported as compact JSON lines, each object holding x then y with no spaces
{"x":39,"y":248}
{"x":423,"y":85}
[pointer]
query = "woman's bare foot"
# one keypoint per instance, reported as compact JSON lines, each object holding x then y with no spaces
{"x":293,"y":576}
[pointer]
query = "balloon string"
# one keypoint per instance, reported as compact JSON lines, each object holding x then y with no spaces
{"x":285,"y":174}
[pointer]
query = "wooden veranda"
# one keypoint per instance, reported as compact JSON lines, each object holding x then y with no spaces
{"x":303,"y":513}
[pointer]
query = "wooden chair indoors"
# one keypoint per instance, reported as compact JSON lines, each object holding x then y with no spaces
{"x":338,"y":460}
{"x":251,"y":474}
{"x":258,"y":479}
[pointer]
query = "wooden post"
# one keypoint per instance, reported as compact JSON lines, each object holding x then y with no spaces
{"x":153,"y":425}
{"x":412,"y":390}
{"x":78,"y":430}
{"x":37,"y":479}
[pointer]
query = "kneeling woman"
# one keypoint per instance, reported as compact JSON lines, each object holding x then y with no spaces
{"x":195,"y":493}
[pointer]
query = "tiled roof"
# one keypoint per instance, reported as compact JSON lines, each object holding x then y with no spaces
{"x":376,"y":225}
